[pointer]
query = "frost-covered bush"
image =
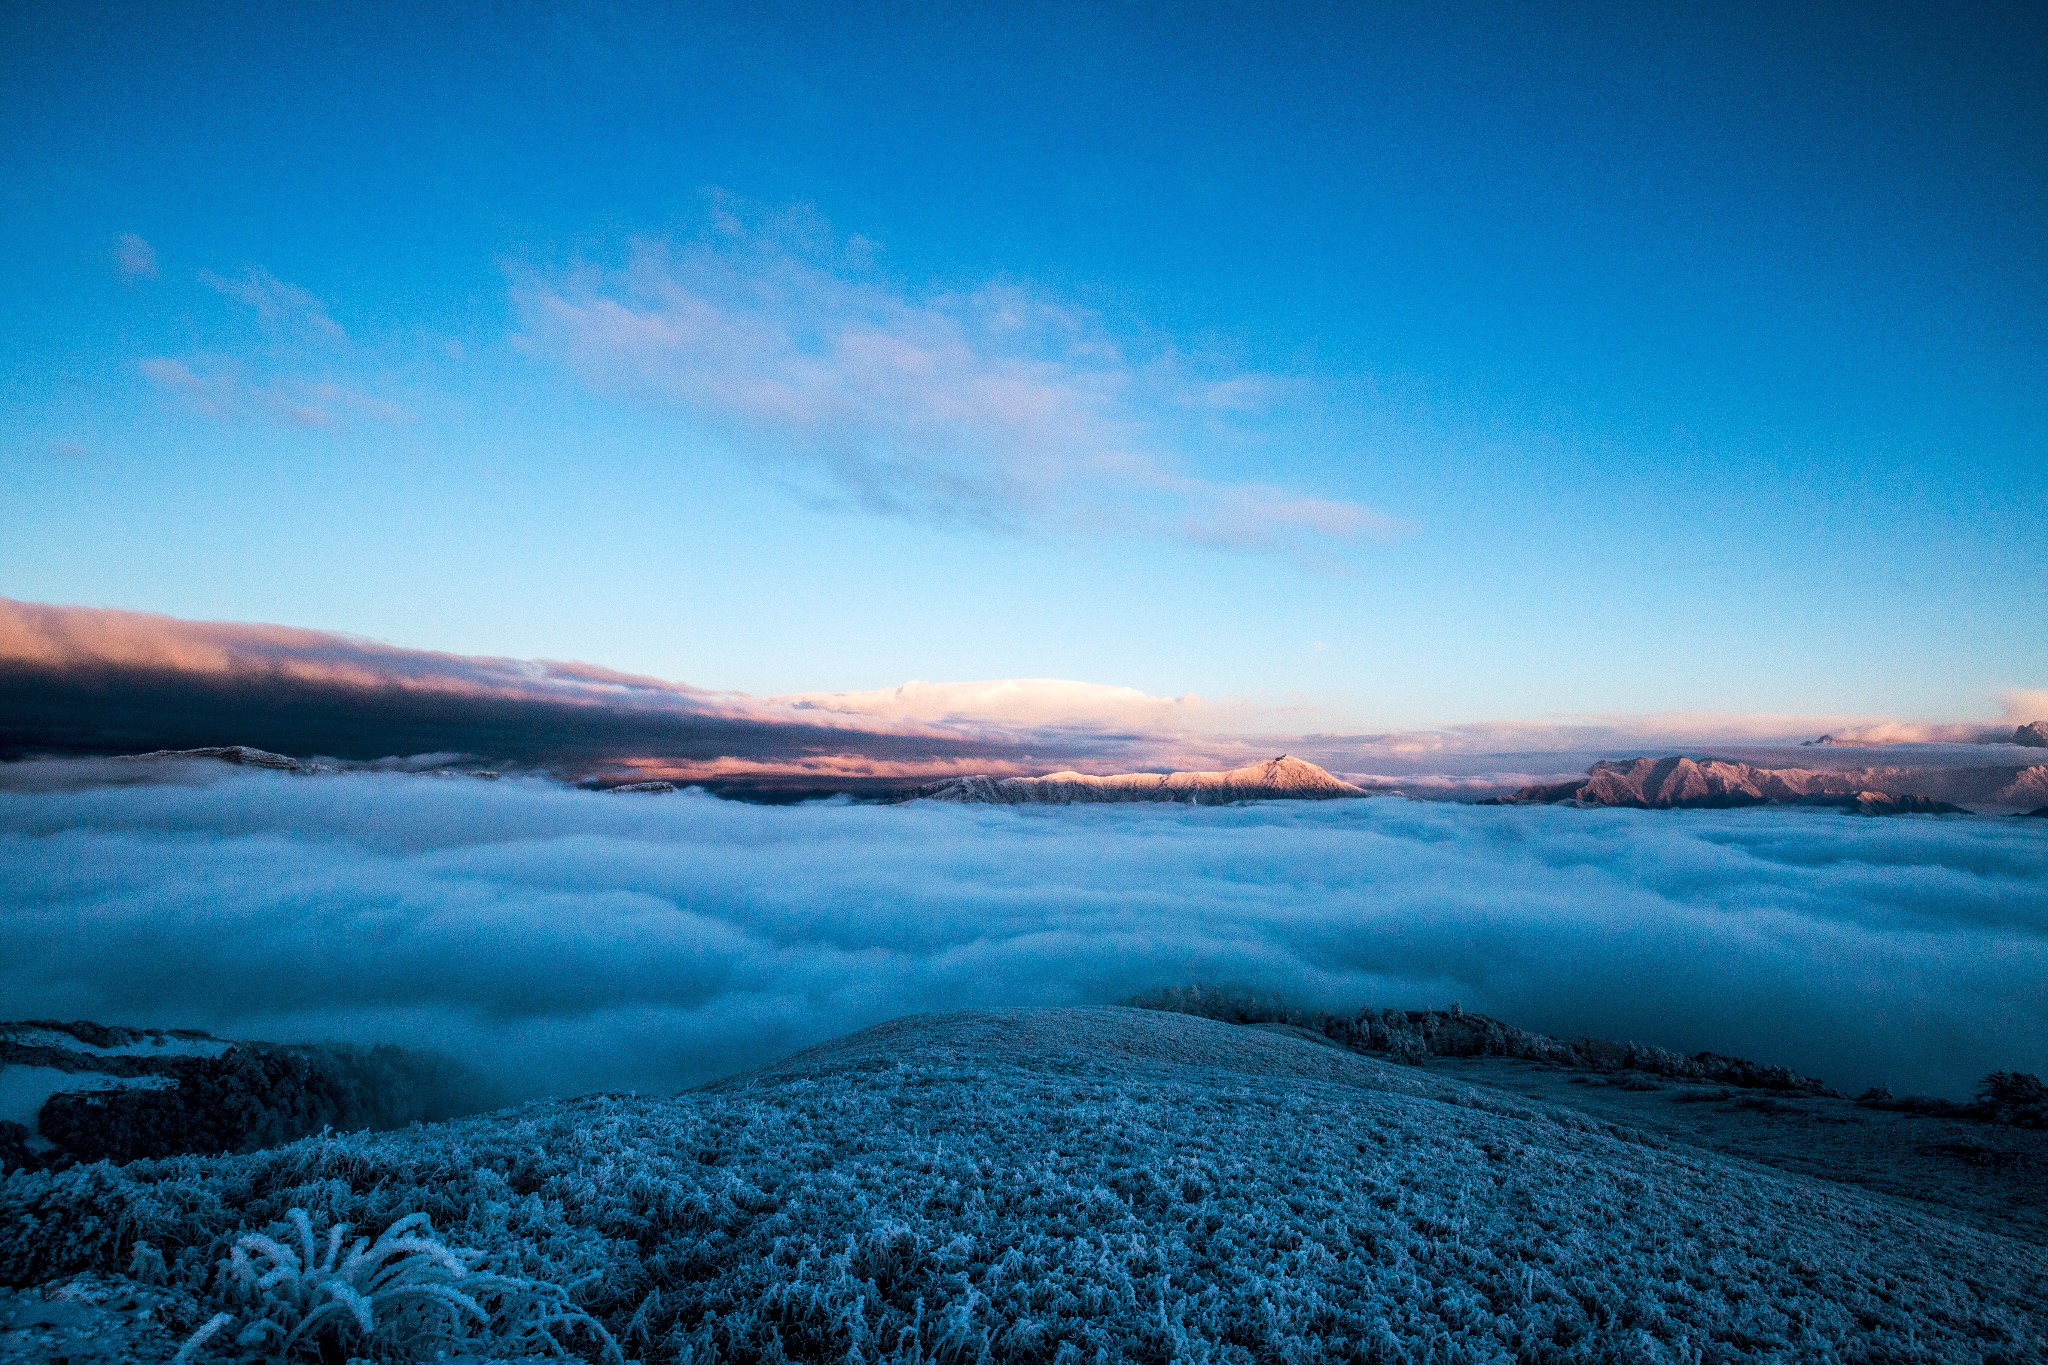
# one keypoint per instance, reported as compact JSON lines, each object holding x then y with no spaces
{"x":1413,"y":1036}
{"x":258,"y":1095}
{"x":2016,"y":1097}
{"x":405,"y":1295}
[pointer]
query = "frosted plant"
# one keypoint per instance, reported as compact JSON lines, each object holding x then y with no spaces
{"x":404,"y":1294}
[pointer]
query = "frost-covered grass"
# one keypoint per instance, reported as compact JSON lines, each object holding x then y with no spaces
{"x":1106,"y":1184}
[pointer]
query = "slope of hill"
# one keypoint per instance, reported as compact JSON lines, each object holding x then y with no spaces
{"x":1049,"y":1185}
{"x":1984,"y":1162}
{"x":1280,"y":779}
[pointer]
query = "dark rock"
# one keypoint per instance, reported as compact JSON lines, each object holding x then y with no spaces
{"x":1879,"y":803}
{"x":2033,"y":735}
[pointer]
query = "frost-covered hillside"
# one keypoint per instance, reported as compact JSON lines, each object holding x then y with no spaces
{"x":1053,"y":1185}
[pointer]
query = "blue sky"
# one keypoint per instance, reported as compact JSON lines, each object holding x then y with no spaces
{"x":1433,"y":364}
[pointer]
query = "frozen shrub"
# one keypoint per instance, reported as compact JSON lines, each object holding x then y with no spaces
{"x":406,"y":1295}
{"x":14,"y":1148}
{"x":2016,"y":1097}
{"x":259,"y":1095}
{"x":1413,"y":1036}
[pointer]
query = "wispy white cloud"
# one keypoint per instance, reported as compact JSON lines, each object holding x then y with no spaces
{"x":134,"y":258}
{"x":303,"y":372}
{"x":224,"y":390}
{"x":992,"y":406}
{"x":283,"y":308}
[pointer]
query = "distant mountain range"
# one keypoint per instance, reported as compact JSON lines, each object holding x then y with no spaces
{"x":1678,"y":783}
{"x":1280,"y":779}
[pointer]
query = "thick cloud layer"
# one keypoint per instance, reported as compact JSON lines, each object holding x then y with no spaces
{"x":572,"y":940}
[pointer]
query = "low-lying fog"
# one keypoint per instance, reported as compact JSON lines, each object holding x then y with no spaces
{"x":568,"y":940}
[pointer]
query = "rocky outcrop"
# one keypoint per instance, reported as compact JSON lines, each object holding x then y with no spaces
{"x":1883,"y":803}
{"x":1663,"y":783}
{"x":2034,"y":734}
{"x":2027,"y":788}
{"x":1281,"y":779}
{"x":241,"y":755}
{"x":1694,"y":784}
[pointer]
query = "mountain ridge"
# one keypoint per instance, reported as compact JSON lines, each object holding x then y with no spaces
{"x":1284,"y":778}
{"x":1683,"y":783}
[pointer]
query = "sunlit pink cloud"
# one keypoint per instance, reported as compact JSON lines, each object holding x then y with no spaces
{"x":87,"y":639}
{"x":2024,"y":705}
{"x":1886,"y":733}
{"x":1015,"y":703}
{"x":80,"y":641}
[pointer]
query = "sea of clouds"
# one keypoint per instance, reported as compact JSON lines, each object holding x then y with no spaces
{"x":569,"y":940}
